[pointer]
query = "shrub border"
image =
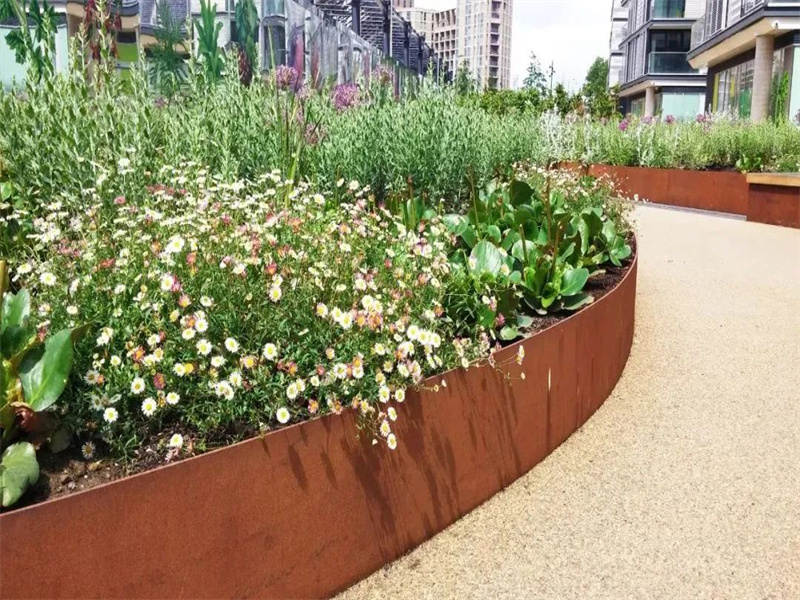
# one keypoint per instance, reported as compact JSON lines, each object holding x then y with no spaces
{"x":308,"y":510}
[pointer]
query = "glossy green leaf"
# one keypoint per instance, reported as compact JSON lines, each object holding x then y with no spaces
{"x":509,"y":333}
{"x":18,"y":471}
{"x":577,"y":301}
{"x":486,"y":258}
{"x":16,"y":309}
{"x":520,"y":193}
{"x":44,"y":371}
{"x":493,"y":233}
{"x":520,"y":249}
{"x":573,"y":281}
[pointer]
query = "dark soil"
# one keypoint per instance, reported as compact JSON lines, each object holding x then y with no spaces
{"x":68,"y":472}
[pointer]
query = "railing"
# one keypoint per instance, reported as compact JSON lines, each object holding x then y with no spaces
{"x":668,"y":62}
{"x":705,"y":27}
{"x":749,"y":6}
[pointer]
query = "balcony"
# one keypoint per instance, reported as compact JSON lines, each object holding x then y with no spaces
{"x":707,"y":26}
{"x":669,"y":9}
{"x":665,"y":63}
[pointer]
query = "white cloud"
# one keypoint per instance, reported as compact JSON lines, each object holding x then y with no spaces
{"x":568,"y":33}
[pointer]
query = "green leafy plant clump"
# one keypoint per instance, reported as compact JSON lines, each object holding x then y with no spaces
{"x":32,"y":377}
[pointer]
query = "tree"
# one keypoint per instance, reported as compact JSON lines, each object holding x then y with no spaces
{"x":600,"y":101}
{"x":465,"y":84}
{"x":535,"y":78}
{"x":167,"y":63}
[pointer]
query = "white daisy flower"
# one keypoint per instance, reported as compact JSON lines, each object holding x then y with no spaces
{"x":137,"y":386}
{"x":203,"y":347}
{"x":283,"y":415}
{"x":176,"y":441}
{"x":270,"y":352}
{"x":47,"y":279}
{"x":149,"y":407}
{"x":391,"y":441}
{"x":231,"y":345}
{"x":173,"y":398}
{"x":110,"y":415}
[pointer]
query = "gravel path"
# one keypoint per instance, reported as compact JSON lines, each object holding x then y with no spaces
{"x":686,"y":483}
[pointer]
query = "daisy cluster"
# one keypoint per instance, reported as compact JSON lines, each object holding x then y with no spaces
{"x":260,"y":303}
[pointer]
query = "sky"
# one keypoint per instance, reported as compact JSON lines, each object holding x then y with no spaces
{"x":568,"y":33}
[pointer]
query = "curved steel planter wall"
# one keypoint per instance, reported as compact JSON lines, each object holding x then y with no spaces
{"x":309,"y":510}
{"x":761,"y":201}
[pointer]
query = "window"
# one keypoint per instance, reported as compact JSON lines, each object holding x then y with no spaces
{"x":670,"y":41}
{"x":667,"y":9}
{"x":733,"y":90}
{"x":715,"y":20}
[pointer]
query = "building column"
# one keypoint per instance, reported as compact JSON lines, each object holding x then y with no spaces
{"x":650,"y":102}
{"x":762,"y":78}
{"x":355,"y":6}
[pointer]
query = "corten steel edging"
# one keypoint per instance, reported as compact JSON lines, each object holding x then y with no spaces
{"x":774,"y":205}
{"x":309,"y":510}
{"x":705,"y":190}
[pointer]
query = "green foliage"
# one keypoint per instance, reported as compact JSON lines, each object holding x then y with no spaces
{"x":246,"y":27}
{"x":535,"y":79}
{"x":18,"y":471}
{"x":779,"y":97}
{"x":600,"y":101}
{"x":208,"y":50}
{"x":166,"y":63}
{"x":32,"y":378}
{"x":464,"y":83}
{"x":37,"y":50}
{"x":531,"y":245}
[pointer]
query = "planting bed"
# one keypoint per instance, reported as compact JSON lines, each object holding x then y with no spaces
{"x":308,"y":510}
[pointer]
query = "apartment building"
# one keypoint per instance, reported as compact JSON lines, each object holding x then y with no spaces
{"x":421,"y":19}
{"x":657,"y":78}
{"x":445,"y":38}
{"x":484,"y":40}
{"x":751,"y":51}
{"x":619,"y":31}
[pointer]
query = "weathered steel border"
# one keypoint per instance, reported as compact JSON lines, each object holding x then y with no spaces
{"x":309,"y":510}
{"x":759,"y":200}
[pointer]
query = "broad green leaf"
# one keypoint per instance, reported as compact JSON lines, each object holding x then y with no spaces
{"x":486,"y":316}
{"x":524,"y":321}
{"x":520,"y":249}
{"x":520,"y":193}
{"x":508,"y":241}
{"x":486,"y":258}
{"x":573,"y":281}
{"x":18,"y":471}
{"x":515,"y":277}
{"x":44,"y":371}
{"x":509,"y":333}
{"x":469,"y":236}
{"x":576,"y":301}
{"x":493,"y":233}
{"x":16,"y":309}
{"x":524,"y":215}
{"x":609,"y":232}
{"x":15,"y":339}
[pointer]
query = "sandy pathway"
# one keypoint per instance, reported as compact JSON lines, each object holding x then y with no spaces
{"x":686,"y":484}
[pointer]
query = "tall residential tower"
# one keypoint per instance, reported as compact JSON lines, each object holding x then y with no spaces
{"x":484,"y":40}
